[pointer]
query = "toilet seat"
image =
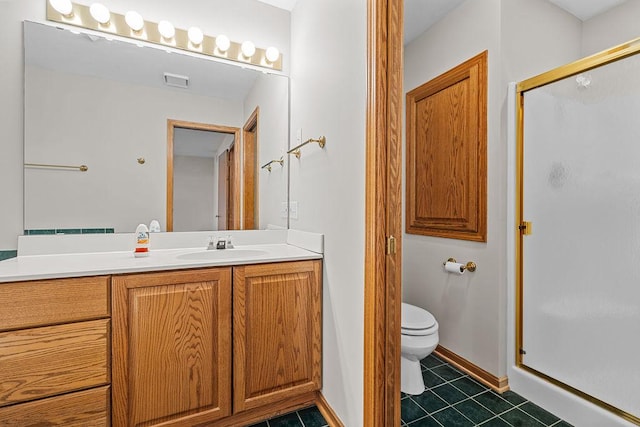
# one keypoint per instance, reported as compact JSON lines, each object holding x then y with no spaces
{"x":417,"y":321}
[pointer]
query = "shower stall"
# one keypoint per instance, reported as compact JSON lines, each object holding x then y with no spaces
{"x":577,"y":229}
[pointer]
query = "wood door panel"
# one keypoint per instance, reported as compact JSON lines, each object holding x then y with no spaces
{"x":277,"y":337}
{"x":42,"y":362}
{"x":89,"y":408}
{"x":446,"y":154}
{"x":172,"y":338}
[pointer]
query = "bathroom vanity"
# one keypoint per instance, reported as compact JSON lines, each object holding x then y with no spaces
{"x":212,"y":339}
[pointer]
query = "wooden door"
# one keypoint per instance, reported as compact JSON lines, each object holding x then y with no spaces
{"x":171,"y":347}
{"x":277,"y":342}
{"x":249,"y":172}
{"x":223,"y":189}
{"x":447,"y":154}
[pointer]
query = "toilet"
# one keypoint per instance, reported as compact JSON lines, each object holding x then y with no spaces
{"x":419,"y":338}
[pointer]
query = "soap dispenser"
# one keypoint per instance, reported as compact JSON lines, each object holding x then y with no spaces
{"x":142,"y":241}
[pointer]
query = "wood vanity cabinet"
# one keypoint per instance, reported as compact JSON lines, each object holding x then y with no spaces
{"x":171,"y":347}
{"x":54,"y":352}
{"x":277,"y":336}
{"x":173,"y":356}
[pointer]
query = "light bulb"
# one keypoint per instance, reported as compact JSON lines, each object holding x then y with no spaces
{"x":100,"y":13}
{"x":223,"y":43}
{"x":272,"y":54}
{"x":166,"y":29}
{"x":248,"y":48}
{"x":195,"y":35}
{"x":134,"y":20}
{"x":64,"y":7}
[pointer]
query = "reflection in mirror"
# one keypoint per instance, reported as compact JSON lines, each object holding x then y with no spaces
{"x":105,"y":104}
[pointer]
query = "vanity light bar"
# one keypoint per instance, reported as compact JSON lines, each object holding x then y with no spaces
{"x":117,"y":25}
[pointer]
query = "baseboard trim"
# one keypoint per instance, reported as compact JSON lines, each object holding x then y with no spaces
{"x":327,"y":412}
{"x":498,"y":384}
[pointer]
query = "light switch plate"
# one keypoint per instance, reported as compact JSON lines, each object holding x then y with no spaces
{"x":284,"y":211}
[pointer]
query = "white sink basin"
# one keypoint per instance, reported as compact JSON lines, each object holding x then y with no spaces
{"x":223,"y":254}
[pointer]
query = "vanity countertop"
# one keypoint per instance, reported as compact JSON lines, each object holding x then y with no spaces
{"x":36,"y":267}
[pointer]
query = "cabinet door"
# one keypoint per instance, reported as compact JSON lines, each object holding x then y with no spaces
{"x":171,"y":347}
{"x":277,"y":332}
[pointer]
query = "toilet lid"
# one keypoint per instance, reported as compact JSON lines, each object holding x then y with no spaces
{"x":416,"y":318}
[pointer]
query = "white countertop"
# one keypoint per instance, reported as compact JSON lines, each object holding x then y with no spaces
{"x":36,"y":267}
{"x":50,"y":257}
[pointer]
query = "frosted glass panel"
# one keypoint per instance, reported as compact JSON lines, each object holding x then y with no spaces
{"x":581,"y":287}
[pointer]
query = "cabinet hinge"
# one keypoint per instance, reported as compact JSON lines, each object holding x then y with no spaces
{"x":391,"y":245}
{"x":525,"y":228}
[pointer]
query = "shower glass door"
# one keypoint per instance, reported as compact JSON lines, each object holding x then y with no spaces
{"x":580,"y":264}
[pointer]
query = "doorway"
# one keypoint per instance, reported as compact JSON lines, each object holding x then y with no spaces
{"x":201,"y":171}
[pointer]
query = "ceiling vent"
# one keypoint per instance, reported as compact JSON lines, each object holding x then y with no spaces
{"x":176,"y":80}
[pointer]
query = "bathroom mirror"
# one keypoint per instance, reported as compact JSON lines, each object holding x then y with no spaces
{"x":97,"y":134}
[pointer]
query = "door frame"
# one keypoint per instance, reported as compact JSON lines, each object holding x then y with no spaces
{"x":250,"y":163}
{"x":383,"y":213}
{"x":181,"y":124}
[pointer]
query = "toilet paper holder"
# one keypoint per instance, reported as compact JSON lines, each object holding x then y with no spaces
{"x":471,"y":266}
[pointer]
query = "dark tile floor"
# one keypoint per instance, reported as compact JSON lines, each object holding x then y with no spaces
{"x":309,"y":417}
{"x":453,"y":399}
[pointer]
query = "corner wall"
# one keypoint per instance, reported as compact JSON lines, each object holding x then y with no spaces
{"x":469,"y":307}
{"x":328,"y":89}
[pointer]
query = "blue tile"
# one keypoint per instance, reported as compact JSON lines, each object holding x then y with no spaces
{"x":311,"y":417}
{"x":93,"y":231}
{"x":493,"y":402}
{"x":410,"y":411}
{"x":109,"y":230}
{"x":496,"y":422}
{"x":447,"y":372}
{"x":8,"y":254}
{"x":513,"y":398}
{"x":517,"y":418}
{"x":452,"y":418}
{"x":262,"y":424}
{"x":430,"y":402}
{"x":39,"y":232}
{"x":431,"y":361}
{"x":449,"y":393}
{"x":539,"y":414}
{"x":68,"y":231}
{"x":289,"y":420}
{"x":562,"y":424}
{"x":468,"y":386}
{"x":424,"y":422}
{"x":474,"y":411}
{"x":431,"y":379}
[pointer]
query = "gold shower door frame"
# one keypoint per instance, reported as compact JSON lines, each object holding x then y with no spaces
{"x":605,"y":57}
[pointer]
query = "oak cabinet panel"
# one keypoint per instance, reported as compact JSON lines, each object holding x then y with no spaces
{"x":46,"y":302}
{"x":40,"y":362}
{"x":88,"y":408}
{"x":276,"y":332}
{"x":446,"y":154}
{"x":172,"y":347}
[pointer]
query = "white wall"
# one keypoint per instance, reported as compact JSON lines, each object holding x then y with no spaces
{"x":271,"y":94}
{"x":468,"y":308}
{"x":618,"y":25}
{"x":61,"y":127}
{"x":195,"y":187}
{"x":240,"y":20}
{"x":328,"y":89}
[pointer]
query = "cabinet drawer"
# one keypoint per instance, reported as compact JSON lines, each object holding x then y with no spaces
{"x":42,"y":362}
{"x":82,"y":409}
{"x":46,"y":302}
